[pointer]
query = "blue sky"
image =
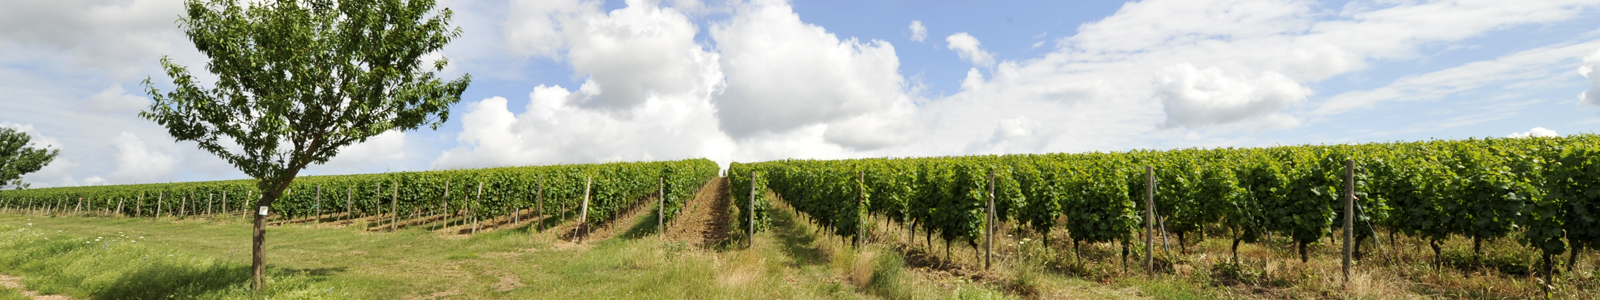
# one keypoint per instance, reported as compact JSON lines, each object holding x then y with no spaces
{"x":574,"y":81}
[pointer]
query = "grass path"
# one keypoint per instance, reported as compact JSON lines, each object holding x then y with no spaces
{"x":701,"y":258}
{"x":123,"y":258}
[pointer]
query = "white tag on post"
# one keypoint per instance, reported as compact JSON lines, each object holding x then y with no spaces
{"x":263,"y":211}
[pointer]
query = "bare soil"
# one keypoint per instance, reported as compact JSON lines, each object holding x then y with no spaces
{"x":705,"y":220}
{"x":467,"y":226}
{"x":573,"y":232}
{"x":15,"y":283}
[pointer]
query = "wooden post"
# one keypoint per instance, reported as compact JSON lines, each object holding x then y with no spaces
{"x":473,"y":209}
{"x":319,"y":203}
{"x":1149,"y":219}
{"x":209,"y":198}
{"x":752,"y":212}
{"x":988,"y":232}
{"x":75,"y":208}
{"x":861,"y":178}
{"x":661,"y":207}
{"x":159,"y":198}
{"x":394,"y":207}
{"x":138,"y":211}
{"x":1349,"y":212}
{"x":540,"y":194}
{"x":444,"y":203}
{"x":376,"y":189}
{"x":583,"y":213}
{"x":119,"y":205}
{"x":349,"y":201}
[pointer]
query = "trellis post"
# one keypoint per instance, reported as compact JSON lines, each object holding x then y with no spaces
{"x":989,"y":224}
{"x":1349,"y":212}
{"x":1149,"y":219}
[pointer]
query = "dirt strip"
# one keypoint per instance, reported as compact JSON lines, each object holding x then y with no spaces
{"x":705,"y":219}
{"x":15,"y":283}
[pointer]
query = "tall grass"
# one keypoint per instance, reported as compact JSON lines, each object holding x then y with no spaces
{"x":121,"y":267}
{"x":11,"y":294}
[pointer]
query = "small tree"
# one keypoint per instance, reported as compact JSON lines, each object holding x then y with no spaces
{"x":298,"y":80}
{"x":17,"y":158}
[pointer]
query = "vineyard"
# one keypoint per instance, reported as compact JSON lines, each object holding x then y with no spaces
{"x":1539,"y":195}
{"x":467,"y":194}
{"x":1544,"y":192}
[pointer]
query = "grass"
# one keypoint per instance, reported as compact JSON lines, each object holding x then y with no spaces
{"x":11,"y":294}
{"x":122,"y":258}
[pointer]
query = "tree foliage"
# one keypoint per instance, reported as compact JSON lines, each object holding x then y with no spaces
{"x":299,"y":79}
{"x":18,"y":157}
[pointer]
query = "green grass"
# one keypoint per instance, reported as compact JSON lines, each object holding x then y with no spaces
{"x":118,"y":258}
{"x":11,"y":294}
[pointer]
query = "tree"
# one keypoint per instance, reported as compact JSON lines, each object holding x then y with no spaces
{"x":298,"y":80}
{"x":17,"y":158}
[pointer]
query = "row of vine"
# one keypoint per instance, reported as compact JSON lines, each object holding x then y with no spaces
{"x":477,"y":192}
{"x":1548,"y":189}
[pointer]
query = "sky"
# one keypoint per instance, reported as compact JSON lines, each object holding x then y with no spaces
{"x":576,"y":81}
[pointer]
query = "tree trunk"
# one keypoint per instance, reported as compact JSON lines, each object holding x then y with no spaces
{"x":911,"y":235}
{"x":1303,"y":257}
{"x":1572,"y":259}
{"x":1076,"y":257}
{"x":1477,"y":244}
{"x":947,"y":250}
{"x":1182,"y":245}
{"x":258,"y":257}
{"x":1357,"y":251}
{"x":1046,"y":239}
{"x":1549,"y":270}
{"x":1236,"y":249}
{"x":978,"y":255}
{"x":1124,"y":256}
{"x":1438,"y":261}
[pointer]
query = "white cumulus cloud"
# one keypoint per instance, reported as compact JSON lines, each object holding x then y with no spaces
{"x":918,"y":32}
{"x":637,"y":52}
{"x":783,"y":75}
{"x":538,"y":27}
{"x":1196,"y":97}
{"x":1591,"y":70}
{"x":137,"y":163}
{"x":554,"y":130}
{"x":115,"y":99}
{"x":969,"y":49}
{"x":1535,"y":132}
{"x":377,"y":154}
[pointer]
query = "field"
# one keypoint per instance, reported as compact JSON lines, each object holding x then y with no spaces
{"x":126,"y":258}
{"x":1480,"y":219}
{"x":96,"y":257}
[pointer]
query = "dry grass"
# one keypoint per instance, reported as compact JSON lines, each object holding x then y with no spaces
{"x":1025,"y":267}
{"x":739,"y":269}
